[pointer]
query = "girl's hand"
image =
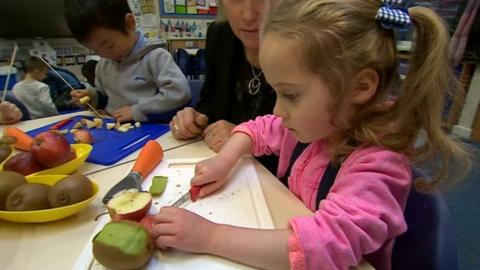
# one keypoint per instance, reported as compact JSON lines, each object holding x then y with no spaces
{"x":211,"y":174}
{"x":123,"y":114}
{"x":217,"y":134}
{"x":181,"y":229}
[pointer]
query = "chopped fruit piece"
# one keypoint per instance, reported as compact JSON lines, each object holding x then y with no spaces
{"x":84,"y":100}
{"x":77,"y":125}
{"x":137,"y":124}
{"x":110,"y":125}
{"x":122,"y":129}
{"x":98,"y":122}
{"x":158,"y":185}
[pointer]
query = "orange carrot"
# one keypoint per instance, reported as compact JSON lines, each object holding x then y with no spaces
{"x":24,"y":141}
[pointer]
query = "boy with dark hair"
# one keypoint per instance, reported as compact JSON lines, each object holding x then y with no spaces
{"x":32,"y":92}
{"x":136,"y":79}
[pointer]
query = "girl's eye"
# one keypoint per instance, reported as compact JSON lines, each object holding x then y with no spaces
{"x":291,"y":97}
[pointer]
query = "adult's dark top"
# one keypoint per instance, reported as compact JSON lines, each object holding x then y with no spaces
{"x":224,"y":94}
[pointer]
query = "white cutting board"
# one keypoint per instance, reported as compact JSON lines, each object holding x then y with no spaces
{"x":240,"y":202}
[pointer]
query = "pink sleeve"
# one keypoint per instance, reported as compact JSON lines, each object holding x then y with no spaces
{"x":363,"y":210}
{"x":266,"y":132}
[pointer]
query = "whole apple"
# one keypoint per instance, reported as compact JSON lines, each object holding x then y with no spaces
{"x":50,"y":149}
{"x":23,"y":163}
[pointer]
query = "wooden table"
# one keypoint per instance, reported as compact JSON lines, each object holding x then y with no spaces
{"x":58,"y":244}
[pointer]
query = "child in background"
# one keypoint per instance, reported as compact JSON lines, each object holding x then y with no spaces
{"x":332,"y":65}
{"x":32,"y":92}
{"x":136,"y":79}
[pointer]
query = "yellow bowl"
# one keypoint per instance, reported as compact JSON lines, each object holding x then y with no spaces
{"x":81,"y":150}
{"x":51,"y":214}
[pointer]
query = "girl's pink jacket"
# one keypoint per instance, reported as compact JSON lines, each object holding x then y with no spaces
{"x":363,"y":212}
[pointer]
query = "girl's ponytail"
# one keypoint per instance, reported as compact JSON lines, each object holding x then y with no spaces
{"x":429,"y":81}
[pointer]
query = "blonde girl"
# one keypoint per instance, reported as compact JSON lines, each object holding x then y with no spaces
{"x":333,"y":67}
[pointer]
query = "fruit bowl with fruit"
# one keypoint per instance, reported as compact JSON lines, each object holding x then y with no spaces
{"x":47,"y":153}
{"x":45,"y":198}
{"x":81,"y":154}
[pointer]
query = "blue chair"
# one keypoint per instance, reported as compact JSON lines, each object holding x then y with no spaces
{"x":199,"y":64}
{"x":429,"y":242}
{"x":184,"y":62}
{"x":195,"y":88}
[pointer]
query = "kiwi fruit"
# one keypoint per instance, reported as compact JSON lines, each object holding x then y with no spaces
{"x":5,"y":151}
{"x":29,"y":196}
{"x":123,"y":244}
{"x":9,"y":181}
{"x":71,"y":189}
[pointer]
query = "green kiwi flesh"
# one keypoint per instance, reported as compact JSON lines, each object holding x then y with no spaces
{"x":123,"y":244}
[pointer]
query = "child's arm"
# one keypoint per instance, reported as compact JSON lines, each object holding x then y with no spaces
{"x":173,"y":90}
{"x":44,"y":98}
{"x":213,"y":173}
{"x":184,"y":230}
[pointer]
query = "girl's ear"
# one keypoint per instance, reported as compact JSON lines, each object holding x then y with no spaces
{"x":364,"y":85}
{"x":130,"y":21}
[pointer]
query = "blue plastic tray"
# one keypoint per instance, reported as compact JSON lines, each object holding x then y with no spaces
{"x":110,"y":146}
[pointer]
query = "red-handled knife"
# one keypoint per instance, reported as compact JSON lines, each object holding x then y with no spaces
{"x":190,"y":196}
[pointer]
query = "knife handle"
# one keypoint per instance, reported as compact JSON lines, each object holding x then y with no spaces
{"x":149,"y":157}
{"x":194,"y":192}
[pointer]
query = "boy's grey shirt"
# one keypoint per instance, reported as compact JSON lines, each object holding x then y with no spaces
{"x":148,"y":80}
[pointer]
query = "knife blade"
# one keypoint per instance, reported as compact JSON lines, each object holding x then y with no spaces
{"x":149,"y":157}
{"x":190,"y":196}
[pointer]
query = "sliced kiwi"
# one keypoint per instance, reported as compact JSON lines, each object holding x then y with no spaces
{"x":29,"y":196}
{"x":123,"y":245}
{"x":71,"y":189}
{"x":9,"y":181}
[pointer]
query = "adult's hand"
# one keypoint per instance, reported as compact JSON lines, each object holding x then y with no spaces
{"x":9,"y":113}
{"x":188,"y":124}
{"x":217,"y":134}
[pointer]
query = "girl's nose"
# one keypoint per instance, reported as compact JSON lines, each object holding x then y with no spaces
{"x":279,"y":111}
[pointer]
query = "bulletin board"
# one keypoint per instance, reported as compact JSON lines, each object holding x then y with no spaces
{"x":194,"y":9}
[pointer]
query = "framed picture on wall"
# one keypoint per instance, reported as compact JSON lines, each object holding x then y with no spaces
{"x":195,"y":9}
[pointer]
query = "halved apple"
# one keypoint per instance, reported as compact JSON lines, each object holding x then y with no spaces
{"x":131,"y":205}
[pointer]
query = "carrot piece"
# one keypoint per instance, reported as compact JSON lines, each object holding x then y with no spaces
{"x":24,"y":141}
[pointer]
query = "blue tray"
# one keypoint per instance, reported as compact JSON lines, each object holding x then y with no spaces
{"x":110,"y":146}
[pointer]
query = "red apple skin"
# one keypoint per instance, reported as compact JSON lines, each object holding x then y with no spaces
{"x":23,"y":163}
{"x":50,"y":149}
{"x":136,"y":215}
{"x":83,"y":136}
{"x":147,"y":222}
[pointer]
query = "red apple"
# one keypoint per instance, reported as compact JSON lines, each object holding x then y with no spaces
{"x":73,"y":154}
{"x":131,"y":205}
{"x":23,"y":163}
{"x":83,"y":136}
{"x":147,"y":222}
{"x":50,"y":149}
